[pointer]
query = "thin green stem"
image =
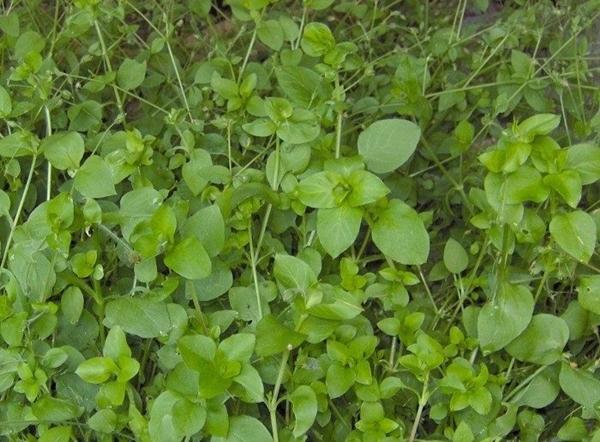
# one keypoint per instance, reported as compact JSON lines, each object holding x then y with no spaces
{"x":538,"y":292}
{"x":338,"y":124}
{"x":49,"y":174}
{"x":393,"y":352}
{"x":457,"y":186}
{"x":229,"y":159}
{"x":249,"y":50}
{"x":272,"y":404}
{"x":364,"y":244}
{"x":524,"y":383}
{"x":429,"y":294}
{"x":274,"y":186}
{"x":132,"y":253}
{"x":472,"y":275}
{"x":176,"y":69}
{"x":275,"y":397}
{"x":339,"y":415}
{"x":422,"y":402}
{"x":101,"y":306}
{"x":254,"y":272}
{"x":74,"y":280}
{"x":302,"y":21}
{"x":15,"y":220}
{"x":460,"y":23}
{"x":198,"y":308}
{"x":485,"y":62}
{"x":108,"y":66}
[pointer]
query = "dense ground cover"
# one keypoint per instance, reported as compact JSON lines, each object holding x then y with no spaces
{"x":260,"y":220}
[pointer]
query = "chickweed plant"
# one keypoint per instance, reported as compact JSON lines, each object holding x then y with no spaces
{"x":307,"y":220}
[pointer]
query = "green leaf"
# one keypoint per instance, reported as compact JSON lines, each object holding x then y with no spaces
{"x":96,"y":370}
{"x":216,"y":284}
{"x":567,"y":184}
{"x":54,"y":358}
{"x":339,"y":310}
{"x":194,"y":171}
{"x":318,"y":190}
{"x":575,"y":233}
{"x":272,"y":337}
{"x":200,"y":7}
{"x":161,"y":424}
{"x":390,"y":386}
{"x":128,"y":368}
{"x":542,"y":342}
{"x":366,"y":188}
{"x":213,"y":378}
{"x":580,"y":385}
{"x":318,"y":5}
{"x":225,"y":87}
{"x":208,"y":226}
{"x":63,"y":150}
{"x":388,"y":144}
{"x":301,"y":127}
{"x":463,"y":433}
{"x":338,"y":228}
{"x":131,"y":74}
{"x":55,"y":410}
{"x":5,"y":103}
{"x":270,"y":33}
{"x":195,"y":349}
{"x":494,"y":185}
{"x":4,"y":204}
{"x":217,"y":422}
{"x":504,"y":317}
{"x":238,"y":347}
{"x":304,"y":407}
{"x":251,"y":383}
{"x":188,"y":417}
{"x":85,"y":116}
{"x":339,"y":379}
{"x":263,"y":127}
{"x":12,"y":329}
{"x":456,"y":259}
{"x":521,"y":64}
{"x":57,"y":434}
{"x":189,"y":259}
{"x":18,"y":144}
{"x":525,"y":184}
{"x":94,"y":179}
{"x":137,"y":206}
{"x":585,"y":159}
{"x":141,"y":317}
{"x":541,"y":124}
{"x":317,"y":39}
{"x":301,"y":85}
{"x":573,"y":430}
{"x":103,"y":421}
{"x":400,"y":234}
{"x":115,"y":345}
{"x":293,"y":273}
{"x":291,"y":30}
{"x":71,"y":304}
{"x":244,"y":301}
{"x":589,"y":293}
{"x":515,"y":155}
{"x":244,"y":429}
{"x":29,"y":41}
{"x":390,"y":326}
{"x":541,"y":391}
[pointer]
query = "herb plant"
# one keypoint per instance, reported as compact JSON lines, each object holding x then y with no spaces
{"x":261,"y":220}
